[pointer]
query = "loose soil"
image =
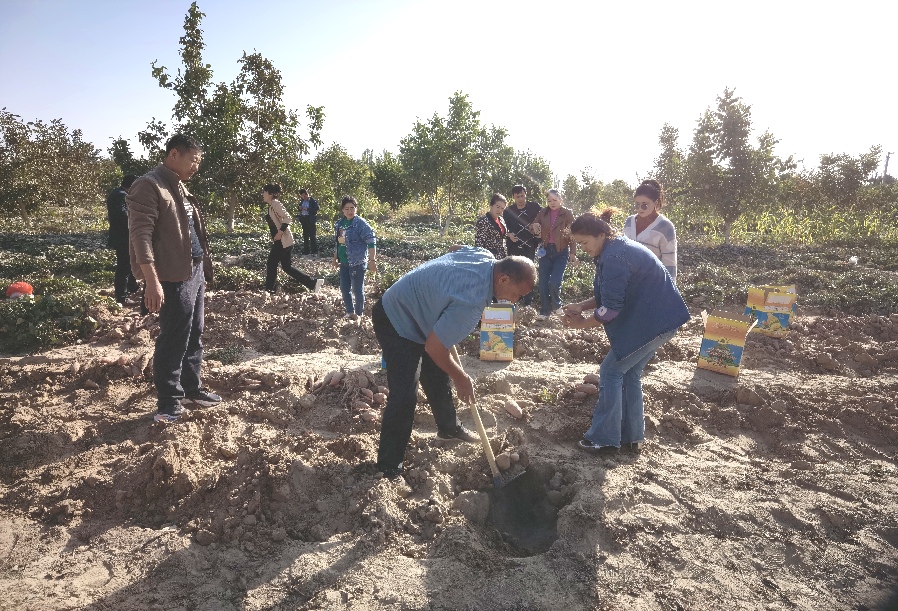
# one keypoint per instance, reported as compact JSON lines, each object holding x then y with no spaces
{"x":776,"y":490}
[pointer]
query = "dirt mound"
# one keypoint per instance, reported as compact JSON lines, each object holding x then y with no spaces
{"x":774,"y":490}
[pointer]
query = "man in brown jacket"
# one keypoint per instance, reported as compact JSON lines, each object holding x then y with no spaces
{"x":169,"y":250}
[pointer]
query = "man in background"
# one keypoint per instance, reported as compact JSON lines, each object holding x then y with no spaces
{"x":308,"y":217}
{"x":170,"y":251}
{"x":519,"y":239}
{"x":117,"y":213}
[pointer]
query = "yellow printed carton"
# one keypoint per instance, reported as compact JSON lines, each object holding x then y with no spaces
{"x":497,"y":333}
{"x":724,"y":341}
{"x":772,"y":307}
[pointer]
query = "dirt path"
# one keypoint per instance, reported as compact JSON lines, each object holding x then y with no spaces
{"x":778,"y":490}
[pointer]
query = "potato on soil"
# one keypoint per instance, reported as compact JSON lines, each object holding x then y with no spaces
{"x":511,"y":406}
{"x":589,"y":389}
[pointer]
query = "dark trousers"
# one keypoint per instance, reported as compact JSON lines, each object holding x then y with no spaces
{"x":278,"y":255}
{"x":309,"y":235}
{"x":401,"y":357}
{"x":517,"y":248}
{"x":179,"y":349}
{"x":124,"y":280}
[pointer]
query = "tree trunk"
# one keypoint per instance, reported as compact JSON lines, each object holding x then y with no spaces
{"x":449,"y":213}
{"x":727,"y":232}
{"x":232,"y":210}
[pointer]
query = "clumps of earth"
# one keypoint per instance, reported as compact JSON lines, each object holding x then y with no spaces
{"x":774,"y":490}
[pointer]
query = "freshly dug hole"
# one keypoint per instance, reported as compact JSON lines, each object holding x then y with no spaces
{"x":522,"y":514}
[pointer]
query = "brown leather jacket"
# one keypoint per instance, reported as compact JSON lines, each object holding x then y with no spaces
{"x":562,"y":230}
{"x":159,"y":230}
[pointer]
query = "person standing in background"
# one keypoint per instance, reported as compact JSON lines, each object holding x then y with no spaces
{"x":490,"y":229}
{"x":170,"y":251}
{"x":520,"y":240}
{"x":651,"y":228}
{"x":308,"y":217}
{"x":554,"y":223}
{"x":355,"y":251}
{"x":117,"y":213}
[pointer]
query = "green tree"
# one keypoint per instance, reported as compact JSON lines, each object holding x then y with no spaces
{"x":45,"y":164}
{"x":725,"y":173}
{"x":336,"y":173}
{"x":533,"y":173}
{"x":842,"y":176}
{"x":388,"y":180}
{"x":248,"y":135}
{"x":670,"y":166}
{"x":453,"y":162}
{"x":121,"y":154}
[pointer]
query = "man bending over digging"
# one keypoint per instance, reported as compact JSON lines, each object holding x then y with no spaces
{"x":418,"y":320}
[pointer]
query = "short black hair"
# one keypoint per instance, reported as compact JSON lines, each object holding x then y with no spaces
{"x":128,"y":180}
{"x":519,"y":269}
{"x":348,"y":199}
{"x":273,"y":188}
{"x":519,"y":189}
{"x":183,"y":143}
{"x":303,"y":192}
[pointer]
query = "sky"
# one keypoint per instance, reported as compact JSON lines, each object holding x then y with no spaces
{"x":584,"y":84}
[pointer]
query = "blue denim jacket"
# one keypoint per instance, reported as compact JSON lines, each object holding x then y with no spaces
{"x":359,"y":238}
{"x":631,"y":279}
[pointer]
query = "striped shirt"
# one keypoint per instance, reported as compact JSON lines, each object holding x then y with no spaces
{"x":445,"y":296}
{"x":660,"y":237}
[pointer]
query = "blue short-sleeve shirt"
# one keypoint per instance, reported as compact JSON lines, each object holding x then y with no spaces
{"x":445,"y":296}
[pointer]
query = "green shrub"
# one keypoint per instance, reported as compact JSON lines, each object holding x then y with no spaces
{"x":236,"y":278}
{"x":58,"y":314}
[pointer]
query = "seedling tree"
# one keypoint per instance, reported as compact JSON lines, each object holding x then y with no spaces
{"x":249,"y":137}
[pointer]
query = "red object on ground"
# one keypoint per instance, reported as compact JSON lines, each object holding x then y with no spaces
{"x":19,"y":289}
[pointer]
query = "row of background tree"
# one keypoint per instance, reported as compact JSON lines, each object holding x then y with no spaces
{"x":449,"y":163}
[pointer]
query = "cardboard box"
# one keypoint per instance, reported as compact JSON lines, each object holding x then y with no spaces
{"x":772,"y":307}
{"x":724,"y":341}
{"x":497,"y":333}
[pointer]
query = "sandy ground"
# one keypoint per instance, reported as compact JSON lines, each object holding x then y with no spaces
{"x":776,"y":490}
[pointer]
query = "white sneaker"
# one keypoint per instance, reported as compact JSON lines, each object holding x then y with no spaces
{"x":349,"y":316}
{"x":560,"y":311}
{"x":319,"y":284}
{"x":541,"y":317}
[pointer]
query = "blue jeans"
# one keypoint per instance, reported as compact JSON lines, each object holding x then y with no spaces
{"x":551,"y":273}
{"x":179,"y":349}
{"x":352,"y":285}
{"x":619,"y":416}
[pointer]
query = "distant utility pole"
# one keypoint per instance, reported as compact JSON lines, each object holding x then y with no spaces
{"x":885,"y":171}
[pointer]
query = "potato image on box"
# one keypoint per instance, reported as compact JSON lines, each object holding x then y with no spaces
{"x":723,"y":341}
{"x":497,"y":333}
{"x":772,"y":307}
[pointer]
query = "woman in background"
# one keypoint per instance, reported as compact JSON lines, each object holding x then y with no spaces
{"x":491,"y":230}
{"x":651,"y":228}
{"x":554,"y":225}
{"x":355,"y":250}
{"x":282,"y":243}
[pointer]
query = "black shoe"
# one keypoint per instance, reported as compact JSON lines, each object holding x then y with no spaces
{"x":391,"y":472}
{"x":461,"y":432}
{"x":592,"y":448}
{"x":171,"y":414}
{"x":202,"y":397}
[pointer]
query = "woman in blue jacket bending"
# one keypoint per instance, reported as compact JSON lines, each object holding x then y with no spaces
{"x":636,"y":301}
{"x":355,"y":250}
